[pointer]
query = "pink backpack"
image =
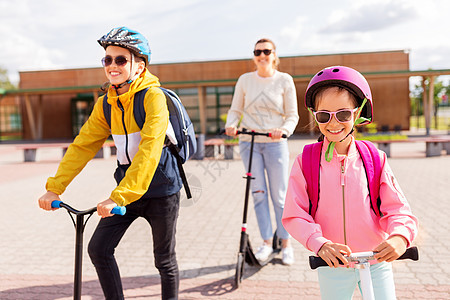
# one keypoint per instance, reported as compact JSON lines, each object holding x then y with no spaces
{"x":372,"y":165}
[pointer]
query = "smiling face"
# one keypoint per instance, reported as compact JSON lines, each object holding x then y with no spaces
{"x":118,"y":74}
{"x":331,"y":100}
{"x":265,"y":61}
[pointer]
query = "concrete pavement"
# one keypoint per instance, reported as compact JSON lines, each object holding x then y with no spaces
{"x":37,"y":247}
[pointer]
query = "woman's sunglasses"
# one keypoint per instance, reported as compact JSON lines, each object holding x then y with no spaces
{"x":119,"y":60}
{"x":342,"y":115}
{"x":265,"y":51}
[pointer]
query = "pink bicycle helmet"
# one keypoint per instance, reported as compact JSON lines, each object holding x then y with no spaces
{"x":344,"y":77}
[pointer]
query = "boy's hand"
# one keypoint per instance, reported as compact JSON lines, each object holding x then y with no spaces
{"x":104,"y":208}
{"x":391,"y":249}
{"x":330,"y":252}
{"x":45,"y":201}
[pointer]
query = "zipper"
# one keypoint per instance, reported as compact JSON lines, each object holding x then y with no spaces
{"x":343,"y":198}
{"x":119,"y":104}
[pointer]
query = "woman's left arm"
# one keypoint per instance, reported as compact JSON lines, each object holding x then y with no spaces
{"x":290,"y":107}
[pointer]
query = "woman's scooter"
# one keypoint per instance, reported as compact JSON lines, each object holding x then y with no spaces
{"x":245,"y":249}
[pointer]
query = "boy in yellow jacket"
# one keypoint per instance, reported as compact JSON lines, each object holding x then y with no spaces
{"x":148,"y":180}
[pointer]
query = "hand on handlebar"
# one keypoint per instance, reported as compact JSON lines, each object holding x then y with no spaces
{"x":45,"y":201}
{"x":231,"y":131}
{"x":276,"y":134}
{"x":331,"y":252}
{"x":391,"y":249}
{"x":104,"y":208}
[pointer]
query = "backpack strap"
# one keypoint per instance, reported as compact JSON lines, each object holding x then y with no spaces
{"x":107,"y":110}
{"x":311,"y":171}
{"x":372,"y":165}
{"x":138,"y":107}
{"x":139,"y":116}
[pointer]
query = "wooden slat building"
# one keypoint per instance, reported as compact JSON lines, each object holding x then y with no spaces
{"x":55,"y":103}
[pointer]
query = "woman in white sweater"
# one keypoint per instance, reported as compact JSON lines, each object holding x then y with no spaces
{"x":267,"y":102}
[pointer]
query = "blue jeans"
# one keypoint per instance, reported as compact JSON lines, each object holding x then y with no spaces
{"x":161,"y":214}
{"x":273,"y":159}
{"x":340,"y":283}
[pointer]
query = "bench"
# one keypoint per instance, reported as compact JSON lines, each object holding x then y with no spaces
{"x":215,"y":147}
{"x":434,"y":145}
{"x":29,"y":150}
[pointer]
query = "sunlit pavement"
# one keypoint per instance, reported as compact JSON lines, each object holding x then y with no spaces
{"x":37,"y":247}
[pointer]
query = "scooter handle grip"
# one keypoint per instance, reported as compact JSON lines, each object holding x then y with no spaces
{"x":119,"y":210}
{"x":284,"y":136}
{"x":56,"y":204}
{"x":316,"y":261}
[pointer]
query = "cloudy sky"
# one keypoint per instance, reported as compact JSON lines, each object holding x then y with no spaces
{"x":57,"y":34}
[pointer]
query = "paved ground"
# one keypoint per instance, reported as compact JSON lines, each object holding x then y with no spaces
{"x":37,"y":247}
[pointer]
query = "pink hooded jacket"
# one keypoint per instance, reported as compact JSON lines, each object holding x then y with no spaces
{"x":344,"y":214}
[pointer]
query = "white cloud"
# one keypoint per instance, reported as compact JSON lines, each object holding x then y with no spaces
{"x":50,"y":34}
{"x":370,"y":16}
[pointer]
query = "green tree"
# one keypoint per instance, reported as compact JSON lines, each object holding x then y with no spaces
{"x":5,"y":83}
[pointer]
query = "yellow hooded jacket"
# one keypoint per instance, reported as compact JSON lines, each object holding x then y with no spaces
{"x":139,"y":147}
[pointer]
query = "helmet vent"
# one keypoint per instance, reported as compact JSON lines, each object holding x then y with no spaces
{"x":335,"y":70}
{"x":320,"y":73}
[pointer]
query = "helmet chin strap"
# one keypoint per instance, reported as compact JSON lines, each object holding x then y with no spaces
{"x":331,"y":145}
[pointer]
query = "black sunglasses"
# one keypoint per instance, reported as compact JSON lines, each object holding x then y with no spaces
{"x":119,"y":60}
{"x":265,"y":51}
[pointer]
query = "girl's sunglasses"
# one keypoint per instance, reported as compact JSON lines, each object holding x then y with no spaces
{"x":119,"y":60}
{"x":265,"y":51}
{"x":342,"y":115}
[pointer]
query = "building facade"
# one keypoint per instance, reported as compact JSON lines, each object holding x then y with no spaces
{"x":55,"y":103}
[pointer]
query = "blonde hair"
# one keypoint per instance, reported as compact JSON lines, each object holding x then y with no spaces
{"x":276,"y":62}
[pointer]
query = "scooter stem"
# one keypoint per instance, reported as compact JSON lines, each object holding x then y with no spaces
{"x":248,"y":178}
{"x":366,"y":281}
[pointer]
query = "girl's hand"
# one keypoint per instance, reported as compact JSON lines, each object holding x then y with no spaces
{"x":331,"y":252}
{"x":45,"y":201}
{"x":231,"y":131}
{"x":391,"y":249}
{"x":276,"y":134}
{"x":104,"y":208}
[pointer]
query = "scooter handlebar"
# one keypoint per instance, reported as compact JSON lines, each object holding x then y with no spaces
{"x":252,"y":132}
{"x":117,"y":210}
{"x":410,"y":253}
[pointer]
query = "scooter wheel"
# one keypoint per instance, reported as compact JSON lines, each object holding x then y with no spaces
{"x":239,"y":269}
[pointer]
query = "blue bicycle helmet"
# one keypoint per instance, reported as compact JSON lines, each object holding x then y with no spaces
{"x":129,"y":39}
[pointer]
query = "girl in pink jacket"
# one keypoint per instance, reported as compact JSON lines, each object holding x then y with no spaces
{"x":344,"y":221}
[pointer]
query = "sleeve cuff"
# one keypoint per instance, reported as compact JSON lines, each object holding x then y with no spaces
{"x":404,"y":232}
{"x":316,"y":242}
{"x":55,"y":188}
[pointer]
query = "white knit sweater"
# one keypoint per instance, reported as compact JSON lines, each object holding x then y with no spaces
{"x":266,"y":103}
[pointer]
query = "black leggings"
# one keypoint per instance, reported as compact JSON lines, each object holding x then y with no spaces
{"x":161,"y":214}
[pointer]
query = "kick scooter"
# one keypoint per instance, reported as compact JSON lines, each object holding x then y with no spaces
{"x":361,"y":261}
{"x":80,"y":224}
{"x":245,"y":249}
